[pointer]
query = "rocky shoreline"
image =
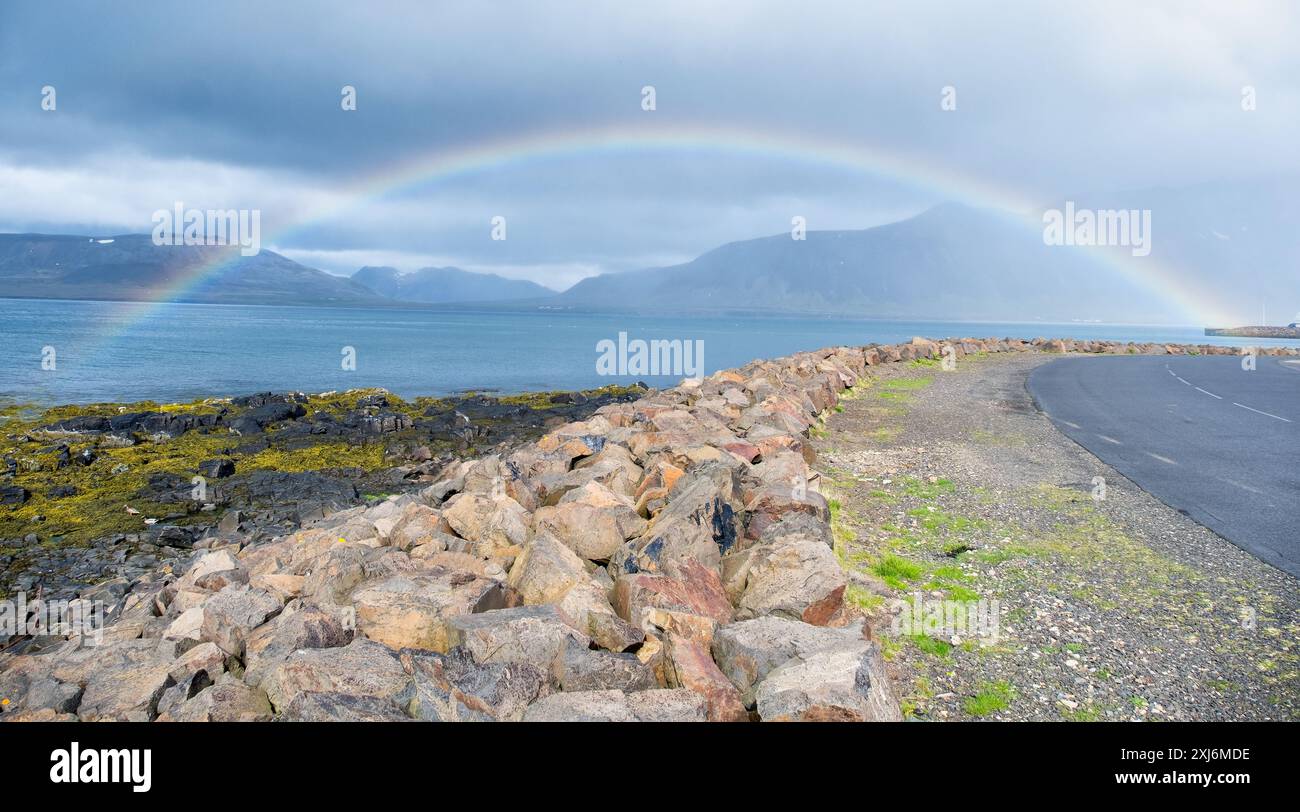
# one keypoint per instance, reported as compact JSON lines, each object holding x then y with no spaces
{"x":89,"y":492}
{"x":669,"y":558}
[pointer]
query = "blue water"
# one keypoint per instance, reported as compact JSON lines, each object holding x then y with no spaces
{"x":112,"y":351}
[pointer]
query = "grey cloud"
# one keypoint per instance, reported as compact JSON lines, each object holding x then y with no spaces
{"x":1052,"y":100}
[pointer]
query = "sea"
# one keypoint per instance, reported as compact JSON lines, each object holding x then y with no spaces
{"x":63,"y":352}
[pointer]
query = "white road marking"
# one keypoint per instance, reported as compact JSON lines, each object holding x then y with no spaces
{"x":1189,"y":383}
{"x":1162,"y":459}
{"x":1239,"y":485}
{"x":1257,"y":411}
{"x":1110,"y":439}
{"x":1211,"y":394}
{"x":1071,"y":425}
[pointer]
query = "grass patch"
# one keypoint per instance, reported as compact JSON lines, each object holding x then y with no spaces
{"x":907,"y":384}
{"x":932,"y":645}
{"x":938,"y":521}
{"x":991,"y":698}
{"x":863,"y":598}
{"x":898,"y":571}
{"x":884,"y":434}
{"x":918,"y":488}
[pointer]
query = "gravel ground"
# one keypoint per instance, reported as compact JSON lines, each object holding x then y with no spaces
{"x":1110,"y":605}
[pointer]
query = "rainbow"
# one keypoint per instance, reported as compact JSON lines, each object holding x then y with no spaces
{"x":501,"y":155}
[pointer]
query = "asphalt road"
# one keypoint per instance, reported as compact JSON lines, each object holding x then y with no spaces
{"x":1201,"y":434}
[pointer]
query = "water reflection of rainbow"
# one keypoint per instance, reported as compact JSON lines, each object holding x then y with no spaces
{"x":1198,"y":306}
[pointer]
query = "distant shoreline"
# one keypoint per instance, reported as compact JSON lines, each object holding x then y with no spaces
{"x":1254,"y":332}
{"x":538,"y":307}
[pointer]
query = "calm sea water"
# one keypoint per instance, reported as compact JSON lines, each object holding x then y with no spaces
{"x":111,"y":351}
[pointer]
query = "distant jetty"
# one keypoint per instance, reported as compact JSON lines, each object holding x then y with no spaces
{"x":1290,"y":331}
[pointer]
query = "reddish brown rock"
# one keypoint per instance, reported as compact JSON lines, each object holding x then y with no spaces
{"x":690,"y":587}
{"x":689,"y":665}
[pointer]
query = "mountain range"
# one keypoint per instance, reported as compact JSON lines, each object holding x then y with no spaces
{"x":444,"y":285}
{"x":130,"y":267}
{"x":1233,"y":242}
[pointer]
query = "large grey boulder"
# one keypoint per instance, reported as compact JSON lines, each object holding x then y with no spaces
{"x":361,"y":668}
{"x":749,"y":650}
{"x":802,"y":580}
{"x":231,"y":614}
{"x":227,"y":700}
{"x":452,"y":687}
{"x":127,"y":692}
{"x":845,"y":683}
{"x":493,"y":523}
{"x":306,"y":628}
{"x":536,"y":635}
{"x":582,"y":669}
{"x":593,"y":521}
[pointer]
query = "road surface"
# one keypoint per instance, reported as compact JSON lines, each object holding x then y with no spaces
{"x":1200,"y":433}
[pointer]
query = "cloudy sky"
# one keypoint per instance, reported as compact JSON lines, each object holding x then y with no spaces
{"x":533,"y":111}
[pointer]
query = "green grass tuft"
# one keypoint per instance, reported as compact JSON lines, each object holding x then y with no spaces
{"x":991,"y":698}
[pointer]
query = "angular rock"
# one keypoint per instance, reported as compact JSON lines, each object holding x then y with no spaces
{"x":417,"y":524}
{"x":546,"y":570}
{"x":215,"y":571}
{"x":581,"y":669}
{"x":592,"y":520}
{"x":802,"y":580}
{"x":331,"y":706}
{"x":125,"y":692}
{"x":493,"y":522}
{"x":335,"y":573}
{"x":843,"y":683}
{"x":306,"y":628}
{"x":415,"y":611}
{"x":40,"y":693}
{"x":205,"y":657}
{"x":688,"y":664}
{"x":611,"y":632}
{"x":458,"y":562}
{"x":452,"y":687}
{"x":658,"y":705}
{"x":283,"y":585}
{"x":747,"y":651}
{"x":690,"y":588}
{"x":700,"y":523}
{"x":536,"y":635}
{"x":187,"y":626}
{"x":361,"y":668}
{"x":228,"y":700}
{"x":232,"y":613}
{"x":772,"y":503}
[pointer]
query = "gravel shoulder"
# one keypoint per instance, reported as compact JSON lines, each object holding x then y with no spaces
{"x":1110,"y":605}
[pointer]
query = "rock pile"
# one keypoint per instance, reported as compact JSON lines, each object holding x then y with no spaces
{"x":666,"y":559}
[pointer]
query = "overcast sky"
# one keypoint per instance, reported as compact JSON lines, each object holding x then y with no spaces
{"x":238,"y":106}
